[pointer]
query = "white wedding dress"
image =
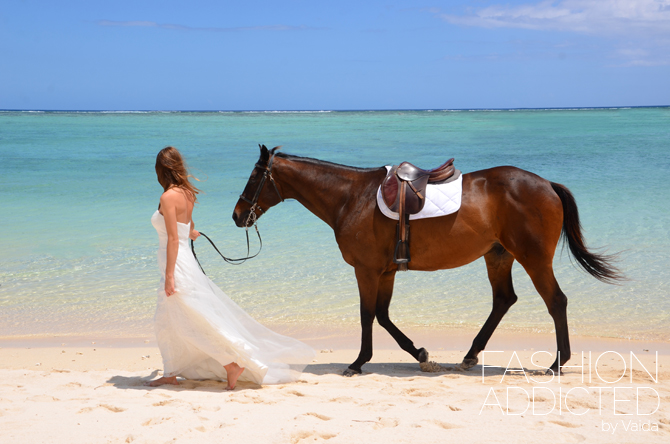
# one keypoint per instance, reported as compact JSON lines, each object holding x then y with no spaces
{"x":199,"y":329}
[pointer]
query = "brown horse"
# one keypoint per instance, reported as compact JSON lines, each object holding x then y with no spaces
{"x":506,"y":214}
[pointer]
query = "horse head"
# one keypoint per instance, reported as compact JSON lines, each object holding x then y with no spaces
{"x":258,"y":195}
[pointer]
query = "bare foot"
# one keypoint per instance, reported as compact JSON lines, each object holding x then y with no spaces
{"x":233,"y":372}
{"x":161,"y":381}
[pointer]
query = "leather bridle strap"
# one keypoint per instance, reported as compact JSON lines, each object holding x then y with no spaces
{"x":267,"y":174}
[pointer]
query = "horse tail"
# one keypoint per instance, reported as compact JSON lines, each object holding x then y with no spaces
{"x":597,"y":265}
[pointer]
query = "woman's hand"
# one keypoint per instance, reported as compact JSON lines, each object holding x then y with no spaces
{"x":194,"y":235}
{"x":169,"y":285}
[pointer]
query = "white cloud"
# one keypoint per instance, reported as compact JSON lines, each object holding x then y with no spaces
{"x":635,"y":56}
{"x":640,"y":29}
{"x":132,"y":23}
{"x":149,"y":24}
{"x":604,"y":17}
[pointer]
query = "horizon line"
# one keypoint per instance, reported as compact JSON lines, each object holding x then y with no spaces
{"x":547,"y":108}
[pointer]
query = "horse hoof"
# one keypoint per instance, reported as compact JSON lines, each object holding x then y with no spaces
{"x":351,"y":372}
{"x":468,"y":363}
{"x":423,"y":355}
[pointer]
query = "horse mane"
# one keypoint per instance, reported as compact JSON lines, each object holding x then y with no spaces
{"x":325,"y":163}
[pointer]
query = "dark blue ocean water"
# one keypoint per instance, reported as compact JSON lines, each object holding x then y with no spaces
{"x":77,"y":191}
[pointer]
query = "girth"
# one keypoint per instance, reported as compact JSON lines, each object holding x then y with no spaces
{"x":404,"y":192}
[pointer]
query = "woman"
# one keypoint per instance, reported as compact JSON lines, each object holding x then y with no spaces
{"x":201,"y":333}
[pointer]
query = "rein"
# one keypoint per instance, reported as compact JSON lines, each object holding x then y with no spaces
{"x":252,"y":219}
{"x":238,"y":261}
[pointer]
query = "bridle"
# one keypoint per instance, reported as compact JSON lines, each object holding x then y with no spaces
{"x":267,"y":174}
{"x":251,"y":219}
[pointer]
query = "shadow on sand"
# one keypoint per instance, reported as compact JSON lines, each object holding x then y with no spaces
{"x":138,"y":383}
{"x":391,"y":369}
{"x":412,"y":369}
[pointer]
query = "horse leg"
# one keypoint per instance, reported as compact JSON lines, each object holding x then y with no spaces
{"x":499,"y":267}
{"x":545,"y":283}
{"x":368,"y":282}
{"x":384,"y":294}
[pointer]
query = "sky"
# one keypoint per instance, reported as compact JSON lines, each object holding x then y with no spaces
{"x":333,"y":55}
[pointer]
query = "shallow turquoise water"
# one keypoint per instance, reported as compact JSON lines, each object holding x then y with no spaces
{"x":77,"y":191}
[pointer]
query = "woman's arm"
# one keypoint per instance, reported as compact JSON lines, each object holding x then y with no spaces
{"x":169,"y":210}
{"x":193,"y":235}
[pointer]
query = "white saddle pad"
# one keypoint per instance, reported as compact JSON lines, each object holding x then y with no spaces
{"x":441,"y":200}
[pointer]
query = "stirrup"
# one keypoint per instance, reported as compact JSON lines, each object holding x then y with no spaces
{"x":401,"y":260}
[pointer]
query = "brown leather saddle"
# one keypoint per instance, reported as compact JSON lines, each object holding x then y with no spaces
{"x":404,"y":192}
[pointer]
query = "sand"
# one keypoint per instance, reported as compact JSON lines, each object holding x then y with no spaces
{"x":78,"y":391}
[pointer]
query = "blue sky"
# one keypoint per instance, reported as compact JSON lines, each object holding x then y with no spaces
{"x":289,"y":55}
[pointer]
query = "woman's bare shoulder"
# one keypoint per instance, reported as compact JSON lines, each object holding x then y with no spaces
{"x":172,"y":194}
{"x":170,"y":197}
{"x":176,"y":196}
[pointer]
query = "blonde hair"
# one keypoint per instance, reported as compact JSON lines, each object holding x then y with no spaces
{"x":172,"y":172}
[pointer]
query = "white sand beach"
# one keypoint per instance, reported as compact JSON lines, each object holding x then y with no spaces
{"x":77,"y":392}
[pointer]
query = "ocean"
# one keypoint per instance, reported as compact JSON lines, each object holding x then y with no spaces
{"x":77,"y":190}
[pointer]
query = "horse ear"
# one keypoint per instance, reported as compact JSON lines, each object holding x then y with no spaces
{"x":277,"y":148}
{"x":265,"y":155}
